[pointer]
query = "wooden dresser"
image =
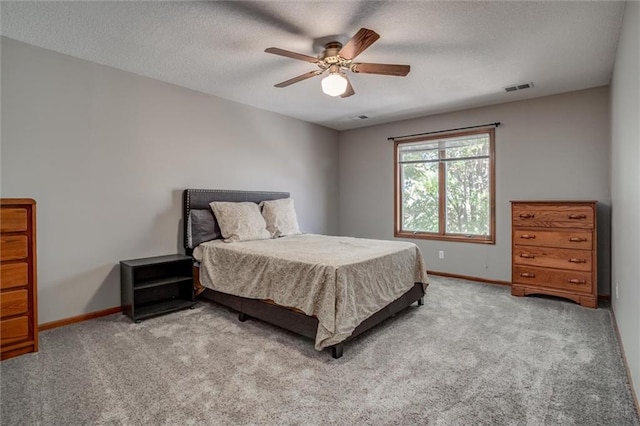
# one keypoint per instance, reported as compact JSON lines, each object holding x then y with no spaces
{"x":18,"y":291}
{"x":554,"y":250}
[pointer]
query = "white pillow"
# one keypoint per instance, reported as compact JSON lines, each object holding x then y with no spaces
{"x":280,"y":216}
{"x":240,"y":221}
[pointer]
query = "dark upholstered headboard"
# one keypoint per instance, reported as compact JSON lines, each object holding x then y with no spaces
{"x":199,"y":199}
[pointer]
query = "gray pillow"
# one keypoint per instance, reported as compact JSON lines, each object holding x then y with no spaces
{"x":204,"y":227}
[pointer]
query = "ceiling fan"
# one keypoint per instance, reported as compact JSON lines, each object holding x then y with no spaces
{"x":337,"y":58}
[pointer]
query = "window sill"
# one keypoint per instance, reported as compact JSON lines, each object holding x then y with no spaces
{"x":456,"y":238}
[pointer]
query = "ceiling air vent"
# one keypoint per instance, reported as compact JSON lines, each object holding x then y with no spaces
{"x":359,"y":117}
{"x":518,"y":87}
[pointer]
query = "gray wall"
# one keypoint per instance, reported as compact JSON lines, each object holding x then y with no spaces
{"x":107,"y":153}
{"x":625,"y":188}
{"x":554,"y":148}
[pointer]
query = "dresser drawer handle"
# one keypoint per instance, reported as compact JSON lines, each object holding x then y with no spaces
{"x":527,"y":275}
{"x":577,"y":216}
{"x":527,"y":255}
{"x":577,"y":239}
{"x":574,"y":260}
{"x":528,"y":236}
{"x":575,"y":281}
{"x":527,"y":216}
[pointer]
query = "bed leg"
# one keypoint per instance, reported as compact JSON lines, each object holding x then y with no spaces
{"x":243,"y":317}
{"x":336,"y":350}
{"x":421,"y":301}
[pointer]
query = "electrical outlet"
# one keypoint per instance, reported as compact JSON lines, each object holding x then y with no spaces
{"x":441,"y":254}
{"x":616,"y":289}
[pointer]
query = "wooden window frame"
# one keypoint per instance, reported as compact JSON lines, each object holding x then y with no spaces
{"x":442,"y":235}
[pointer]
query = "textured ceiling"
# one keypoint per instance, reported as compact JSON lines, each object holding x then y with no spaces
{"x":462,"y":54}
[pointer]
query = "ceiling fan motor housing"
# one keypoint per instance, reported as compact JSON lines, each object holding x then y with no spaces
{"x":331,"y":56}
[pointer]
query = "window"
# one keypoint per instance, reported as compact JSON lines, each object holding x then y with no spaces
{"x":445,"y":187}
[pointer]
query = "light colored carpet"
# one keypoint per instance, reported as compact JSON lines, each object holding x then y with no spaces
{"x":471,"y":355}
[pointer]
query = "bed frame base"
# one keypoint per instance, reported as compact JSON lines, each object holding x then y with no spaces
{"x":336,"y":350}
{"x":305,"y":325}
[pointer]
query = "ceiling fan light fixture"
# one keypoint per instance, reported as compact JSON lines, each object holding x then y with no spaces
{"x":335,"y":84}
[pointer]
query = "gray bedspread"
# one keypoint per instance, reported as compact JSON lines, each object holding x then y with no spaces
{"x":340,"y":280}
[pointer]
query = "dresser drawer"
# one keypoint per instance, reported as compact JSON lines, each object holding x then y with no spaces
{"x":14,"y":275}
{"x":14,"y":303}
{"x":549,"y":216}
{"x":565,"y":280}
{"x":13,"y":247}
{"x":14,"y":330}
{"x":578,"y":260}
{"x":582,"y":240}
{"x":13,"y":219}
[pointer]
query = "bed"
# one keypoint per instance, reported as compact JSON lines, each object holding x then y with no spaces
{"x":329,"y":289}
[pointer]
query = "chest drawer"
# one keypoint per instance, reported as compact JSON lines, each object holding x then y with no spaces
{"x":14,"y":303}
{"x":14,"y":275}
{"x":14,"y":329}
{"x":13,"y":220}
{"x":13,"y":247}
{"x":578,"y":260}
{"x":546,"y":216}
{"x":564,"y":280}
{"x":582,"y":240}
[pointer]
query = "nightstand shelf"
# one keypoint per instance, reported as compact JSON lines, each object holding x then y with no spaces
{"x":156,"y":285}
{"x":160,"y":282}
{"x":163,"y":307}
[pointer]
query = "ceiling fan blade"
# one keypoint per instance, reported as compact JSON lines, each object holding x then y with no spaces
{"x":292,"y":55}
{"x":383,"y":69}
{"x":299,"y":78}
{"x":358,"y":43}
{"x":349,"y":91}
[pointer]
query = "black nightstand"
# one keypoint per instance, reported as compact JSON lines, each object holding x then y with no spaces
{"x":156,"y":285}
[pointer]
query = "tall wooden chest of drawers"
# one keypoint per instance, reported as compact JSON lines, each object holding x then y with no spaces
{"x":554,"y":250}
{"x":18,"y":291}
